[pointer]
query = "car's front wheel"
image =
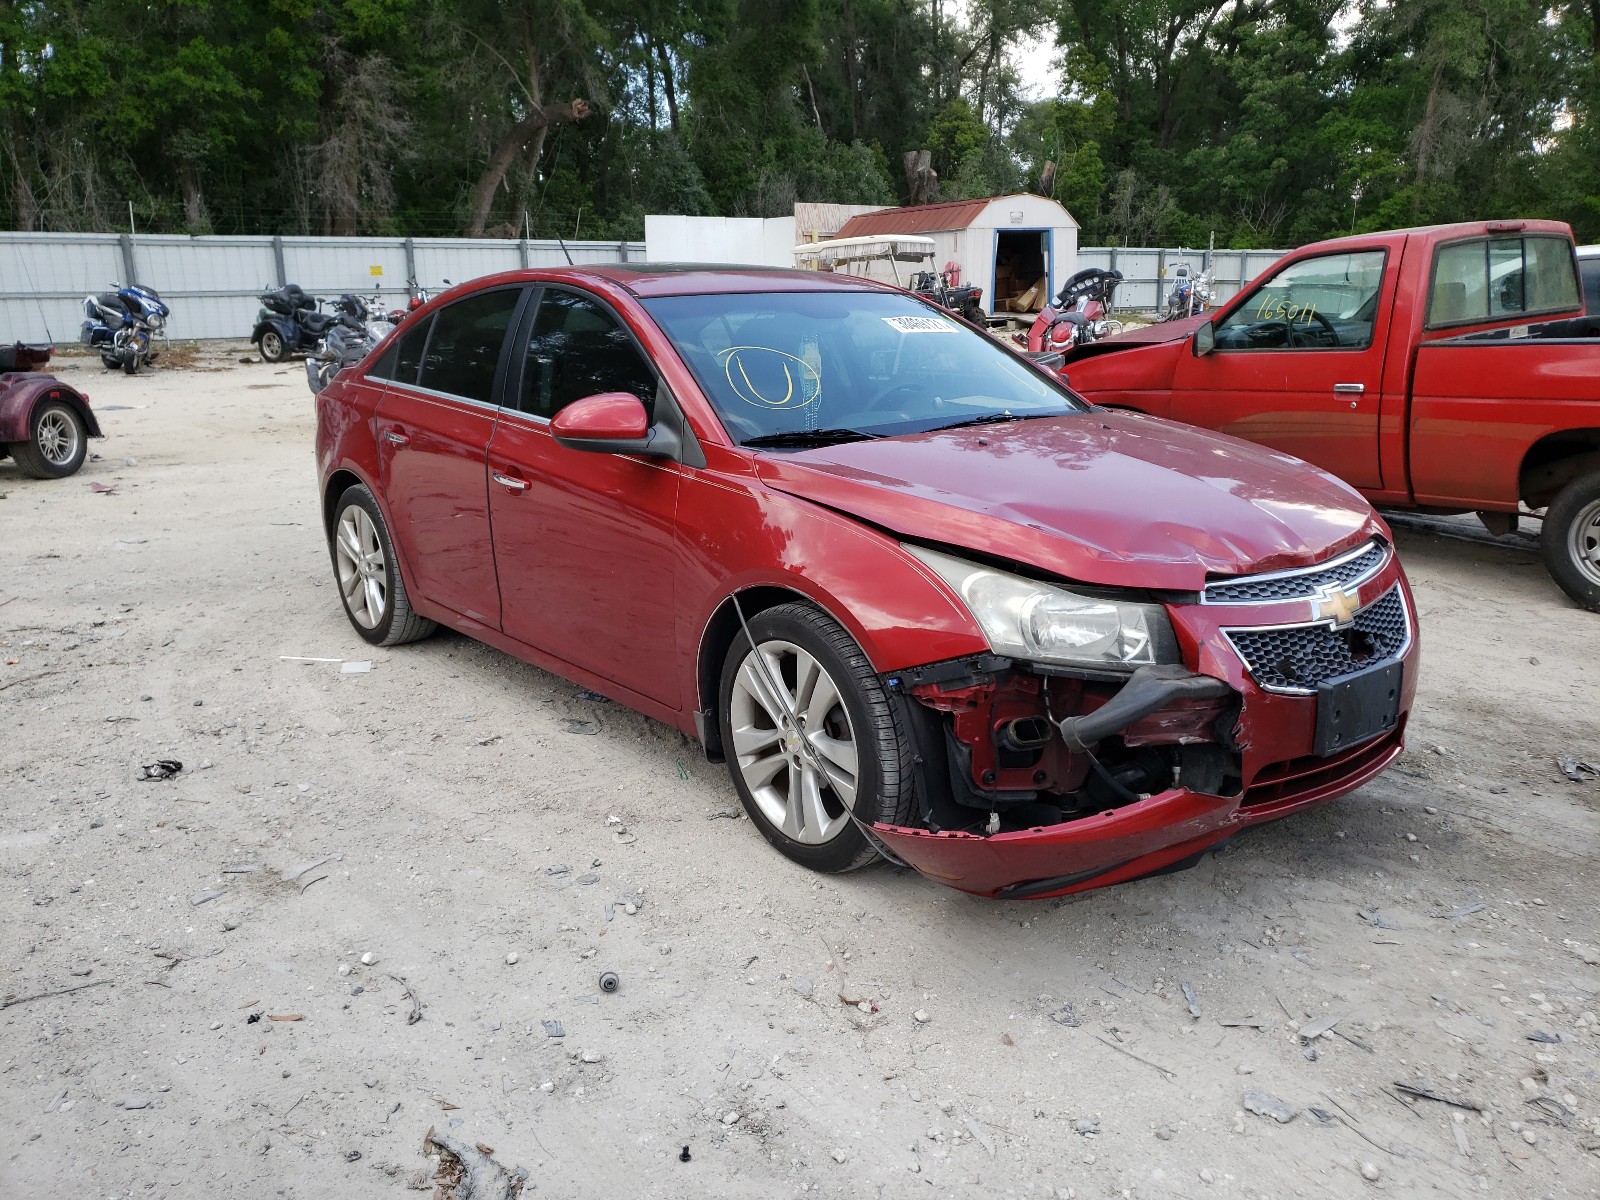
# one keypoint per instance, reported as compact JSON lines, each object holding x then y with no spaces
{"x":1570,"y":540}
{"x":811,"y":739}
{"x":368,"y":574}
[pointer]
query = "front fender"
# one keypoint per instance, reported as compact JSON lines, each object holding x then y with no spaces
{"x":22,"y":391}
{"x":738,"y":536}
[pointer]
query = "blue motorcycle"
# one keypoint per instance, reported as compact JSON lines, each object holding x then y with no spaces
{"x":121,"y":323}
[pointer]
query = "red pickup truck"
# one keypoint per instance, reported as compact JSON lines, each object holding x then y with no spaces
{"x":1448,"y":369}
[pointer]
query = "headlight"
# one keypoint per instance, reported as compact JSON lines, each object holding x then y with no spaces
{"x":1039,"y":622}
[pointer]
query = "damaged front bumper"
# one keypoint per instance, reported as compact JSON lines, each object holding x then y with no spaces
{"x":1038,"y":782}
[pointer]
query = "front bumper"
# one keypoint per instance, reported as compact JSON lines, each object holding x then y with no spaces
{"x":1280,"y":774}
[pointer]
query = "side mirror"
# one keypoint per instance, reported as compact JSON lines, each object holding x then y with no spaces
{"x":613,"y":423}
{"x":1205,"y":340}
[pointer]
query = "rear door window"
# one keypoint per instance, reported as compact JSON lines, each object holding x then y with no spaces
{"x":1488,"y":279}
{"x":463,"y":354}
{"x":401,"y":361}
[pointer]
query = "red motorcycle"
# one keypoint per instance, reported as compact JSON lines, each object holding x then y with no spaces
{"x":1078,"y":314}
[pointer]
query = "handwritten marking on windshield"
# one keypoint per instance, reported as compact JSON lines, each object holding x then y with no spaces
{"x":768,"y":378}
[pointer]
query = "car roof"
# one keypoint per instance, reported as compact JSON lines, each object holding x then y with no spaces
{"x":696,"y":279}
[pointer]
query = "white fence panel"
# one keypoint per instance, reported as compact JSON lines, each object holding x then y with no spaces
{"x":44,"y":278}
{"x":329,"y":266}
{"x":212,"y":283}
{"x":199,"y":280}
{"x":461,"y":259}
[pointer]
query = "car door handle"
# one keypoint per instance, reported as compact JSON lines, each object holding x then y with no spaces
{"x":399,"y":439}
{"x":510,"y":481}
{"x":1353,"y":389}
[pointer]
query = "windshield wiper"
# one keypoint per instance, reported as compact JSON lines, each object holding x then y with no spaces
{"x":994,"y":419}
{"x":809,"y":437}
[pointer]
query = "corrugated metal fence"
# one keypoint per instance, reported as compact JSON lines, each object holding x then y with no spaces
{"x":1144,"y":269}
{"x":211,"y":283}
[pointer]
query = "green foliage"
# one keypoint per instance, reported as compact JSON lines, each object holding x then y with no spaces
{"x":1256,"y":121}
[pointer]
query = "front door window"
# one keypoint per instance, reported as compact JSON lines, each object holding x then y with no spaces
{"x":1324,"y":303}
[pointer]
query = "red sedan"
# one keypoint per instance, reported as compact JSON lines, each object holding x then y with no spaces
{"x":923,"y":600}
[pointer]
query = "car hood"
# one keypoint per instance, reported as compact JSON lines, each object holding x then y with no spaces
{"x":1106,"y":498}
{"x":1146,"y":335}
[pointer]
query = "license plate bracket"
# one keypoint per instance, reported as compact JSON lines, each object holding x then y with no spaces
{"x":1357,"y":708}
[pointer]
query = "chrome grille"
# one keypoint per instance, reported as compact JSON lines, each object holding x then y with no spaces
{"x":1300,"y":584}
{"x":1296,"y":658}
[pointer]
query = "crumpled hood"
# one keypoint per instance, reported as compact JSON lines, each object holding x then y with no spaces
{"x":1106,"y":498}
{"x":1143,"y":337}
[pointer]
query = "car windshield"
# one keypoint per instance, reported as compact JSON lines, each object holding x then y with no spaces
{"x":788,"y":369}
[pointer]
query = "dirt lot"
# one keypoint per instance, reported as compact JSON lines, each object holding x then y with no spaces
{"x":458,"y":808}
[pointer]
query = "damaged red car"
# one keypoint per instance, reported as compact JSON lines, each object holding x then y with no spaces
{"x":923,"y":600}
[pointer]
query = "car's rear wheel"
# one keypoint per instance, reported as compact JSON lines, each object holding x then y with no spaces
{"x":56,"y":445}
{"x":368,"y":574}
{"x":811,"y":738}
{"x":1570,"y":541}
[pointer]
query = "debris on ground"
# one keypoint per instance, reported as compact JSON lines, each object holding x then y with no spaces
{"x":162,"y":768}
{"x":554,"y":1029}
{"x":1315,"y":1029}
{"x":1066,"y":1015}
{"x":1576,"y":769}
{"x":1377,"y":919}
{"x":1465,"y":910}
{"x":1264,"y":1105}
{"x":410,"y":992}
{"x":1188,"y":995}
{"x":1423,"y":1092}
{"x":468,"y":1171}
{"x":586,"y":728}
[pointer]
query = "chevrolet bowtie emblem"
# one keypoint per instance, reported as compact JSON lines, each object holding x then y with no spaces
{"x":1336,"y":605}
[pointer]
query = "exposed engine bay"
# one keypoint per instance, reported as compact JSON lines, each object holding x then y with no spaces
{"x":1005,"y":746}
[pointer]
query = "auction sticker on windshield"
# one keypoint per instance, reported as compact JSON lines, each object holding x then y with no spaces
{"x":920,"y":324}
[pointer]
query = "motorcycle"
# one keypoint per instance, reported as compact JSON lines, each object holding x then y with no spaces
{"x":1190,"y":294}
{"x":348,"y":341}
{"x":1077,"y":316}
{"x":289,"y":322}
{"x":943,"y":290}
{"x":120,"y":325}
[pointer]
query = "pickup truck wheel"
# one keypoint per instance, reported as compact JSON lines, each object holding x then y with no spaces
{"x":1571,"y":540}
{"x":811,"y":738}
{"x":56,"y":445}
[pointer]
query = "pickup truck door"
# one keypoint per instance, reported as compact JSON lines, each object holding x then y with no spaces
{"x":1298,"y":364}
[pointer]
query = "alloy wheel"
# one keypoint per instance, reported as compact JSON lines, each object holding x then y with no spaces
{"x":57,"y":438}
{"x":359,"y":560}
{"x":793,"y":742}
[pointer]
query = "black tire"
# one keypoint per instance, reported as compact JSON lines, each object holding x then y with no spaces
{"x":1570,"y":541}
{"x":131,"y":365}
{"x":394,"y":623}
{"x":884,"y":788}
{"x":272,"y":347}
{"x":57,"y":442}
{"x":109,"y":361}
{"x":974,"y":313}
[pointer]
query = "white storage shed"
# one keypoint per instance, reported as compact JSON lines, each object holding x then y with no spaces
{"x":1007,"y":245}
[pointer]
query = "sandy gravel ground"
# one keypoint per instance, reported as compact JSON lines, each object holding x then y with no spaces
{"x":453,"y":807}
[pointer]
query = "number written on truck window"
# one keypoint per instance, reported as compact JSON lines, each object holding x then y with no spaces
{"x":1323,"y":303}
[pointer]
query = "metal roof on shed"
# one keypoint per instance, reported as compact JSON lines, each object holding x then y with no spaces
{"x":922,"y":218}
